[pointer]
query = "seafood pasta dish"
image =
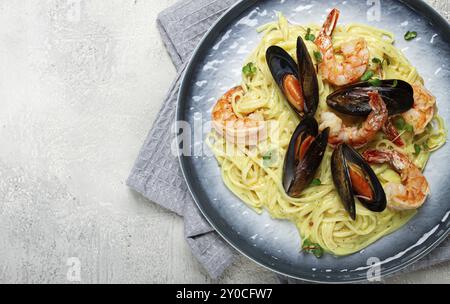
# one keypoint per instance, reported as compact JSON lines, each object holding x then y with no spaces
{"x":330,"y":128}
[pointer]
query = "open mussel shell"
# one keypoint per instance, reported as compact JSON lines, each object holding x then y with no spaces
{"x":342,"y":159}
{"x":282,"y":66}
{"x":354,"y":99}
{"x":308,"y":78}
{"x":298,"y":172}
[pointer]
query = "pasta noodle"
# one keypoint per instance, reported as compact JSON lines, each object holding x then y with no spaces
{"x":318,"y":213}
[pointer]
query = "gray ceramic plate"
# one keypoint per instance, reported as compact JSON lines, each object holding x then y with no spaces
{"x":216,"y":66}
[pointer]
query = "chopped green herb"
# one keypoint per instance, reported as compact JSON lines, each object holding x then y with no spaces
{"x":410,"y":35}
{"x":316,"y":182}
{"x":313,"y":248}
{"x":309,"y":36}
{"x":318,"y":56}
{"x":375,"y":82}
{"x":249,"y":69}
{"x":376,"y":60}
{"x":395,"y":83}
{"x":426,"y":147}
{"x":417,"y":149}
{"x":367,"y":75}
{"x":268,"y":156}
{"x":409,"y":128}
{"x":387,"y":60}
{"x":400,"y":123}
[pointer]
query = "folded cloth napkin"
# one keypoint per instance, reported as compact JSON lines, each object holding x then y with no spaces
{"x":156,"y":173}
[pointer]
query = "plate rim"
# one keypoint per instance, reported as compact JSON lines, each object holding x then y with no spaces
{"x":419,"y":6}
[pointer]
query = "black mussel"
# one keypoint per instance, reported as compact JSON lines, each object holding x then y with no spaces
{"x":354,"y":99}
{"x":352,"y":176}
{"x":308,"y":78}
{"x":304,"y":155}
{"x":298,"y":82}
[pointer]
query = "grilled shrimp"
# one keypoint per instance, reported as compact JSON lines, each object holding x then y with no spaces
{"x":354,"y":136}
{"x":247,"y":130}
{"x":414,"y":189}
{"x":355,"y":53}
{"x":423,"y":110}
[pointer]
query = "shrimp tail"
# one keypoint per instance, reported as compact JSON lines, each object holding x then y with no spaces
{"x":377,"y":119}
{"x":376,"y":156}
{"x":399,"y":162}
{"x":330,"y":23}
{"x":376,"y":102}
{"x":392,"y":133}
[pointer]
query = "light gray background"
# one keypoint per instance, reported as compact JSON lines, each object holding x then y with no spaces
{"x":80,"y":87}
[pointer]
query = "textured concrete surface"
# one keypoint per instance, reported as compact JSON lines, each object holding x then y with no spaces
{"x":80,"y":84}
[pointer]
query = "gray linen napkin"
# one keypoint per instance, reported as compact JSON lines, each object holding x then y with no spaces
{"x":156,"y":173}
